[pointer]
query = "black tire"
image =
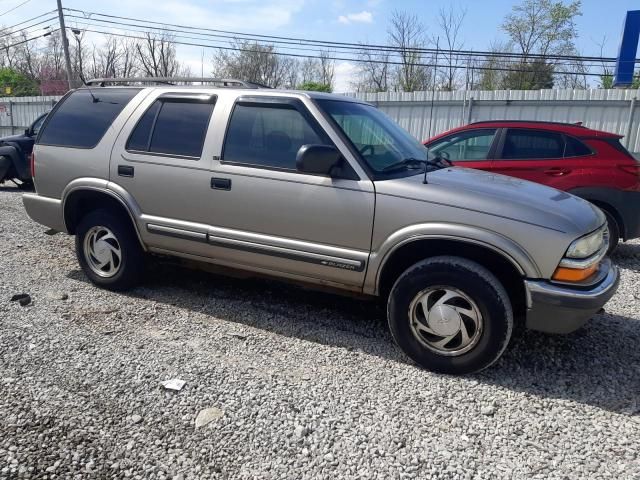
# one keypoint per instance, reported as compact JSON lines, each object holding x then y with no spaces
{"x":614,"y":231}
{"x":474,"y":282}
{"x":129,"y":268}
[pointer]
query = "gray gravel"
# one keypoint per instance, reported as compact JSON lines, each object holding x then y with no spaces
{"x":293,"y":384}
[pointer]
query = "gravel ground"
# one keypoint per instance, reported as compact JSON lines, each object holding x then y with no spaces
{"x":298,"y":384}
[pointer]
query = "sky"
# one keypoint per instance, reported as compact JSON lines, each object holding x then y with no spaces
{"x":334,"y":20}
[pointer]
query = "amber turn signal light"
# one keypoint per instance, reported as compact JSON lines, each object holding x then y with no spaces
{"x":564,"y":274}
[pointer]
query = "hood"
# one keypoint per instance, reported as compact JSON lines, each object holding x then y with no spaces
{"x":506,"y":197}
{"x":12,"y":138}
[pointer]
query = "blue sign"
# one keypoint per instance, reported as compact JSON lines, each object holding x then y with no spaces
{"x":625,"y":65}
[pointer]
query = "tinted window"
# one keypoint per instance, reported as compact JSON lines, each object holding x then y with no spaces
{"x":575,"y":148}
{"x":84,"y":117}
{"x":525,"y":144}
{"x":139,"y":139}
{"x":172,"y":127}
{"x":470,"y":145}
{"x":269,"y":136}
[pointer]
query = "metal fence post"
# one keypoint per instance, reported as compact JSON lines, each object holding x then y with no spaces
{"x":632,"y":110}
{"x":11,"y":117}
{"x":469,"y":108}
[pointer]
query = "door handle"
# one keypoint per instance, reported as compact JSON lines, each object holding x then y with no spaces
{"x":221,"y":183}
{"x":557,"y":171}
{"x":125,"y":170}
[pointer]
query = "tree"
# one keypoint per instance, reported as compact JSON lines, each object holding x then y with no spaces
{"x":494,"y":67}
{"x":373,"y":71}
{"x":19,"y":84}
{"x":539,"y":29}
{"x":157,"y":56}
{"x":319,"y":70}
{"x":254,"y":62}
{"x":315,"y":87}
{"x":450,"y":22}
{"x":534,"y":75}
{"x":406,"y":37}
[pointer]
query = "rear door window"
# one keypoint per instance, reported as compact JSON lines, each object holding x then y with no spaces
{"x":173,"y":127}
{"x":532,"y":144}
{"x":83,"y":118}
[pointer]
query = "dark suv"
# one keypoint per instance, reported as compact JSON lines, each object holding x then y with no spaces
{"x":15,"y":152}
{"x":587,"y":163}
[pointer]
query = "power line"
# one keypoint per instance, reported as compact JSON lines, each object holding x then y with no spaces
{"x":29,"y":20}
{"x":14,"y":8}
{"x":149,"y":29}
{"x":358,"y":60}
{"x":227,"y":42}
{"x":29,"y":39}
{"x":341,"y":45}
{"x":23,"y":30}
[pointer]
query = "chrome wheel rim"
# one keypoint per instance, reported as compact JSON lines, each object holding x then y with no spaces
{"x":445,"y":320}
{"x":102,"y":251}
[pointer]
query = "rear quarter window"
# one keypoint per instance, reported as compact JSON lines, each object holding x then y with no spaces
{"x":575,"y":148}
{"x":83,"y":118}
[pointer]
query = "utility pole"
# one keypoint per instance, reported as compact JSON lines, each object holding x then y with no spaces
{"x":65,"y":45}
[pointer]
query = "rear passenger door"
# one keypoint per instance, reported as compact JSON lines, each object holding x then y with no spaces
{"x":541,"y":156}
{"x":266,"y":214}
{"x":161,"y":160}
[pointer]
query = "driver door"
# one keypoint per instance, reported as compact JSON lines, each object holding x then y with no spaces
{"x":267,"y":215}
{"x":468,"y":148}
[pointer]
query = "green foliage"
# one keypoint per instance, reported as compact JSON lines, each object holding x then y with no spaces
{"x":315,"y":87}
{"x":543,"y":26}
{"x":534,"y":75}
{"x":606,"y":81}
{"x":21,"y":86}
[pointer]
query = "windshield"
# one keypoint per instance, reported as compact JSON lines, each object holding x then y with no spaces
{"x":382,"y":143}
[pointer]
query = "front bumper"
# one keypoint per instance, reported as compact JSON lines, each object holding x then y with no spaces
{"x":557,"y":308}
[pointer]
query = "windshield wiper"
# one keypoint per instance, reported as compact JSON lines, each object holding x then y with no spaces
{"x":412,"y":162}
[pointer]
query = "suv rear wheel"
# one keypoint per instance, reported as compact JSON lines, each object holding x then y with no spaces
{"x":108,"y":250}
{"x":450,"y":315}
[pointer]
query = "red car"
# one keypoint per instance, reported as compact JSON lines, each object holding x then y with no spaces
{"x":588,"y":163}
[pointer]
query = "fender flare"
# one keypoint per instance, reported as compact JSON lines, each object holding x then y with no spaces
{"x":101,"y":186}
{"x":507,"y":248}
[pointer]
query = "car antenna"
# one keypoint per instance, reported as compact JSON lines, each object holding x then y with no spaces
{"x":433,"y":94}
{"x":84,"y":82}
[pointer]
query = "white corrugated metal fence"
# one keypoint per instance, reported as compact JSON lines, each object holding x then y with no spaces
{"x":610,"y":110}
{"x":17,"y":113}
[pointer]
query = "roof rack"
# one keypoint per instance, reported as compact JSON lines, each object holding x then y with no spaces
{"x":576,"y":124}
{"x":220,"y":82}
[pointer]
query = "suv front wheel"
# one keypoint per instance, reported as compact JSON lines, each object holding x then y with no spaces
{"x":450,"y":315}
{"x":108,"y":250}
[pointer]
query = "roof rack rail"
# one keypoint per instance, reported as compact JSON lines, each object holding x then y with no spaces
{"x":221,"y":82}
{"x":574,"y":124}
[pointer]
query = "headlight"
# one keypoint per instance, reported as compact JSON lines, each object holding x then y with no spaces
{"x":583,"y":257}
{"x":588,"y":245}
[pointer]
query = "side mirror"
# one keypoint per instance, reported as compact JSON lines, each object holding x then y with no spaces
{"x":27,"y":132}
{"x":318,"y":159}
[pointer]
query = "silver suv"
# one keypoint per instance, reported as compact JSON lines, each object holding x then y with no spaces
{"x":320,"y":189}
